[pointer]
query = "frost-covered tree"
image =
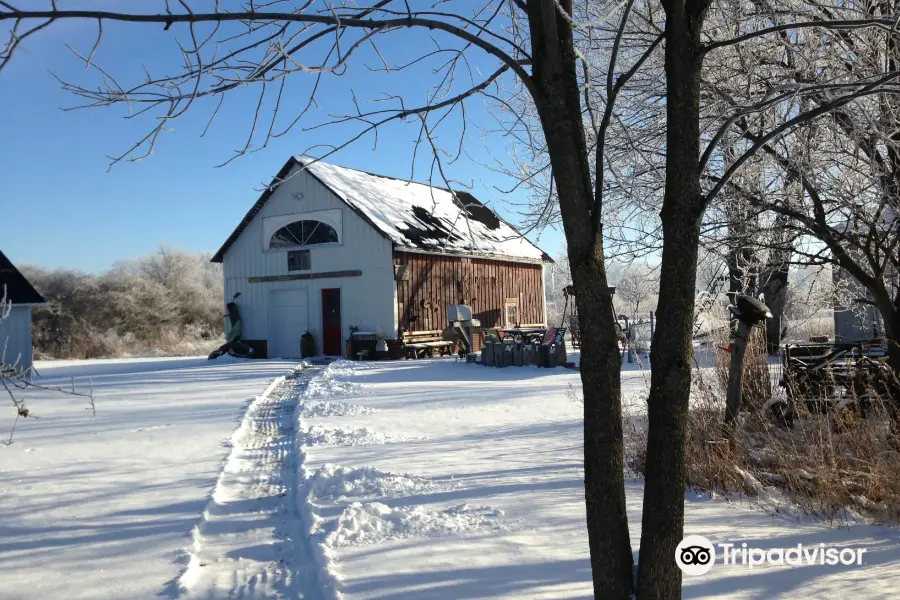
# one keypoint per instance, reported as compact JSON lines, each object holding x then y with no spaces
{"x":618,"y":123}
{"x":153,"y":304}
{"x":556,"y":277}
{"x":636,"y":290}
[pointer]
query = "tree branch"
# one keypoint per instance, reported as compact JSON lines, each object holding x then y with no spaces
{"x":287,"y":17}
{"x":846,"y":24}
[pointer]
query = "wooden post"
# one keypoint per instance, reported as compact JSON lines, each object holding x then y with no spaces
{"x":735,"y":376}
{"x":749,"y":311}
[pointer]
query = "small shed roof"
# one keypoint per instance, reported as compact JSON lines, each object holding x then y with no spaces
{"x":18,"y":289}
{"x":414,"y":216}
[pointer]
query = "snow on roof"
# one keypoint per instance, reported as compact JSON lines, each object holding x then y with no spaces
{"x":421,"y":217}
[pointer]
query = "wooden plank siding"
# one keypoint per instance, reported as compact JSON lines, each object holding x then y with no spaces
{"x":433,"y":282}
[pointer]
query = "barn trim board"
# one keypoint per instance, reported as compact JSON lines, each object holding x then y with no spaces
{"x":304,"y":276}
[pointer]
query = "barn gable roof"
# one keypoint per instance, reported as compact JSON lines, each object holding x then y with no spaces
{"x":414,"y":216}
{"x":18,"y":289}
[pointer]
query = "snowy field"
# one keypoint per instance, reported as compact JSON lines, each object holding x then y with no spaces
{"x":103,"y":507}
{"x":415,"y":479}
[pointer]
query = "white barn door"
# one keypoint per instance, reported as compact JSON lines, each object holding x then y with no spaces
{"x":287,"y":322}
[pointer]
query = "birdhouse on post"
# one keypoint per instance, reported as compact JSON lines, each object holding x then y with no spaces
{"x":749,"y":310}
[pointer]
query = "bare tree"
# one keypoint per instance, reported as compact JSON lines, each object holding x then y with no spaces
{"x":266,"y":44}
{"x":832,"y":186}
{"x":535,"y":47}
{"x":636,"y":289}
{"x":556,"y":277}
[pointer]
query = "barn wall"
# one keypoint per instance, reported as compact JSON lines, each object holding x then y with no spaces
{"x":15,"y":333}
{"x":367,"y":300}
{"x":433,"y":282}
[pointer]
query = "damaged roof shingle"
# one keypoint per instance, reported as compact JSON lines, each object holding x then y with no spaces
{"x":419,"y":216}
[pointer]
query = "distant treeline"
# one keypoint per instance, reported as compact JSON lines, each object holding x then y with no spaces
{"x":168,"y":303}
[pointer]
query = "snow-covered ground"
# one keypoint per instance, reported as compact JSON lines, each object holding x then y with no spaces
{"x":103,"y":507}
{"x":485,"y":498}
{"x":415,"y":479}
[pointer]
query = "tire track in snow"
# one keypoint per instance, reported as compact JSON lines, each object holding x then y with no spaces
{"x":252,"y":541}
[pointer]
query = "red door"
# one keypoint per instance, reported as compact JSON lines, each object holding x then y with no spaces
{"x":331,"y":322}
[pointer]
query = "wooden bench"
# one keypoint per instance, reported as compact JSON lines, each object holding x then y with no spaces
{"x":423,"y":343}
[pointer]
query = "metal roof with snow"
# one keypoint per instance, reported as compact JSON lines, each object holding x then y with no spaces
{"x":18,"y":289}
{"x":414,"y":216}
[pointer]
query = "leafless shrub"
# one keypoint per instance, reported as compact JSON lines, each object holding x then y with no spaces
{"x":635,"y":445}
{"x":833,"y":464}
{"x":837,"y":464}
{"x":168,"y":303}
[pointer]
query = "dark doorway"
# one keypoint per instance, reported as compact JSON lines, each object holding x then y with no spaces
{"x":331,"y":322}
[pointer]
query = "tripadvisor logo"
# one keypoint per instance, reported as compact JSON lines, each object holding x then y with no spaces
{"x":696,"y":555}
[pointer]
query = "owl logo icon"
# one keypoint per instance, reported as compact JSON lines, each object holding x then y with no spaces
{"x":695,"y":555}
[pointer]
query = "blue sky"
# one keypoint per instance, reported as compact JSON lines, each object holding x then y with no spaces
{"x":59,"y":207}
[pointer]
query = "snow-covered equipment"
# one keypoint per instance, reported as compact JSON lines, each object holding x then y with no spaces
{"x":825,"y":376}
{"x":460,"y":319}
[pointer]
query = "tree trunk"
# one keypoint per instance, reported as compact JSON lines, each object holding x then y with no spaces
{"x":775,"y":296}
{"x":892,"y":332}
{"x":604,"y":485}
{"x":890,"y":315}
{"x":742,"y":260}
{"x":670,"y":381}
{"x":556,"y":95}
{"x":733,"y":400}
{"x":774,"y":282}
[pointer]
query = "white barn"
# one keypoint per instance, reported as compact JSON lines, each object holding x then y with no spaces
{"x":18,"y":296}
{"x":325,"y":248}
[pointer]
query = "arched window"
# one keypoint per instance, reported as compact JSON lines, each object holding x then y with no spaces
{"x":303,"y":233}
